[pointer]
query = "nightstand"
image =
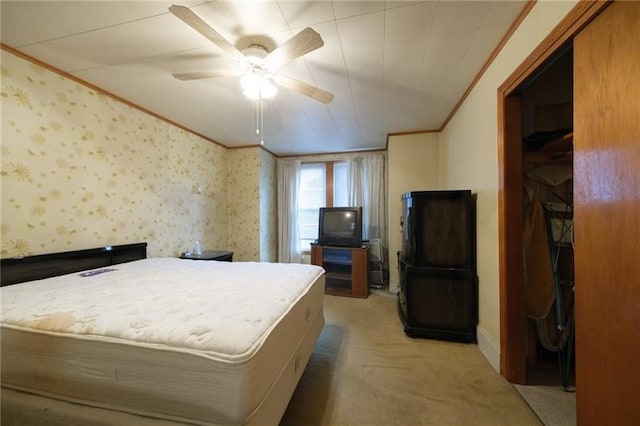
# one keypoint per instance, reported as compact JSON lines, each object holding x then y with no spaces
{"x":220,"y":255}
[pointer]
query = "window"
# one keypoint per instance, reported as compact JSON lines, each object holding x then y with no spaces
{"x":311,"y":197}
{"x":321,"y":185}
{"x":340,"y":196}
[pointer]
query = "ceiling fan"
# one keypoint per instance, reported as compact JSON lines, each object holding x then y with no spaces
{"x":258,"y":66}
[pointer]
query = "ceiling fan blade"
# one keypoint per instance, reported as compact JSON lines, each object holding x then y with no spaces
{"x":302,"y":43}
{"x":304,"y":88}
{"x":185,"y":76}
{"x":194,"y":21}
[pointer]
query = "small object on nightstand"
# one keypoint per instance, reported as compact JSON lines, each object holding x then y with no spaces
{"x":220,"y":255}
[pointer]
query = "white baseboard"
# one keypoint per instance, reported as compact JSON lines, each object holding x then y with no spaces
{"x":489,"y":348}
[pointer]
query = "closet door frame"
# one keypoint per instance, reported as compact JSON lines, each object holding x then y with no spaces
{"x":513,"y":324}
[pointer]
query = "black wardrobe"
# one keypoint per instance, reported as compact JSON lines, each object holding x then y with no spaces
{"x":438,"y":295}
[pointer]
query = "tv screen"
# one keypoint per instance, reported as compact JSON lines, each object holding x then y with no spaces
{"x":340,"y":226}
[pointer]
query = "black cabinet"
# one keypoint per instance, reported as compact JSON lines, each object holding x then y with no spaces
{"x":438,"y":295}
{"x":439,"y":229}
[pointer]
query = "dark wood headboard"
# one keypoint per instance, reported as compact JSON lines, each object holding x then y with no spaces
{"x":20,"y":269}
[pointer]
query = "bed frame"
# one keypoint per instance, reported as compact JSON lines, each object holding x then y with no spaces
{"x":20,"y":269}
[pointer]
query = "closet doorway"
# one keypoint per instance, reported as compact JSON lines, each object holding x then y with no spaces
{"x":547,"y":233}
{"x":606,"y":150}
{"x":515,"y":331}
{"x":541,"y":225}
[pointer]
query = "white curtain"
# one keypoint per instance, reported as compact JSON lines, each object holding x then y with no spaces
{"x":288,"y":186}
{"x":365,"y":184}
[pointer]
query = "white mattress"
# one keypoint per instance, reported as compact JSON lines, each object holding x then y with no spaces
{"x":195,"y":341}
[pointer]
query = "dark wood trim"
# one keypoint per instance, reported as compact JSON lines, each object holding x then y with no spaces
{"x":581,"y":14}
{"x":412,"y":132}
{"x":513,"y":337}
{"x":328,"y":181}
{"x":21,"y":269}
{"x":512,"y":321}
{"x":322,"y":154}
{"x":262,"y":147}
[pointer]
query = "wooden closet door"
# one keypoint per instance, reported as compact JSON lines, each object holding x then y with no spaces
{"x":607,"y":216}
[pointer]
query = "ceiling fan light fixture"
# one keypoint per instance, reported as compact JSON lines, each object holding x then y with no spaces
{"x":257,"y":60}
{"x":256,"y":87}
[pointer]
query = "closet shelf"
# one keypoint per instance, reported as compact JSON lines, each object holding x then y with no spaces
{"x":557,"y":150}
{"x":561,"y":144}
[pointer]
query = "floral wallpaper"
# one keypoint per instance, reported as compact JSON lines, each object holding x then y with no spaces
{"x":244,"y":203}
{"x":268,"y":208}
{"x":252,"y":205}
{"x":80,"y":170}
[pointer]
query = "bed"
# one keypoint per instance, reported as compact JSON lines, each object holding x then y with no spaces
{"x":119,"y":338}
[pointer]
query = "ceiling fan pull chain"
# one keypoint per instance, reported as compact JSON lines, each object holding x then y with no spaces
{"x":257,"y":117}
{"x":261,"y":120}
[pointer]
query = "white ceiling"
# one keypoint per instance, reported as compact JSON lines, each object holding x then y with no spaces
{"x":393,"y":66}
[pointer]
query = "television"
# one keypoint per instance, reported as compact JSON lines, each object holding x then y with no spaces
{"x":340,"y":226}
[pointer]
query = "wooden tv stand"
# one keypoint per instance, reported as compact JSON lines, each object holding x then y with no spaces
{"x":347,"y":269}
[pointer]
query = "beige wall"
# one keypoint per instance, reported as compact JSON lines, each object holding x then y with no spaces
{"x":413,"y":166}
{"x":82,"y":170}
{"x":469,"y":159}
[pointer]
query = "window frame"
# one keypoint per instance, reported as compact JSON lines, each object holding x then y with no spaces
{"x":329,"y":181}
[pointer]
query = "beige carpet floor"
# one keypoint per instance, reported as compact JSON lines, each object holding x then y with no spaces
{"x":546,"y":397}
{"x":366,"y":371}
{"x":552,"y":405}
